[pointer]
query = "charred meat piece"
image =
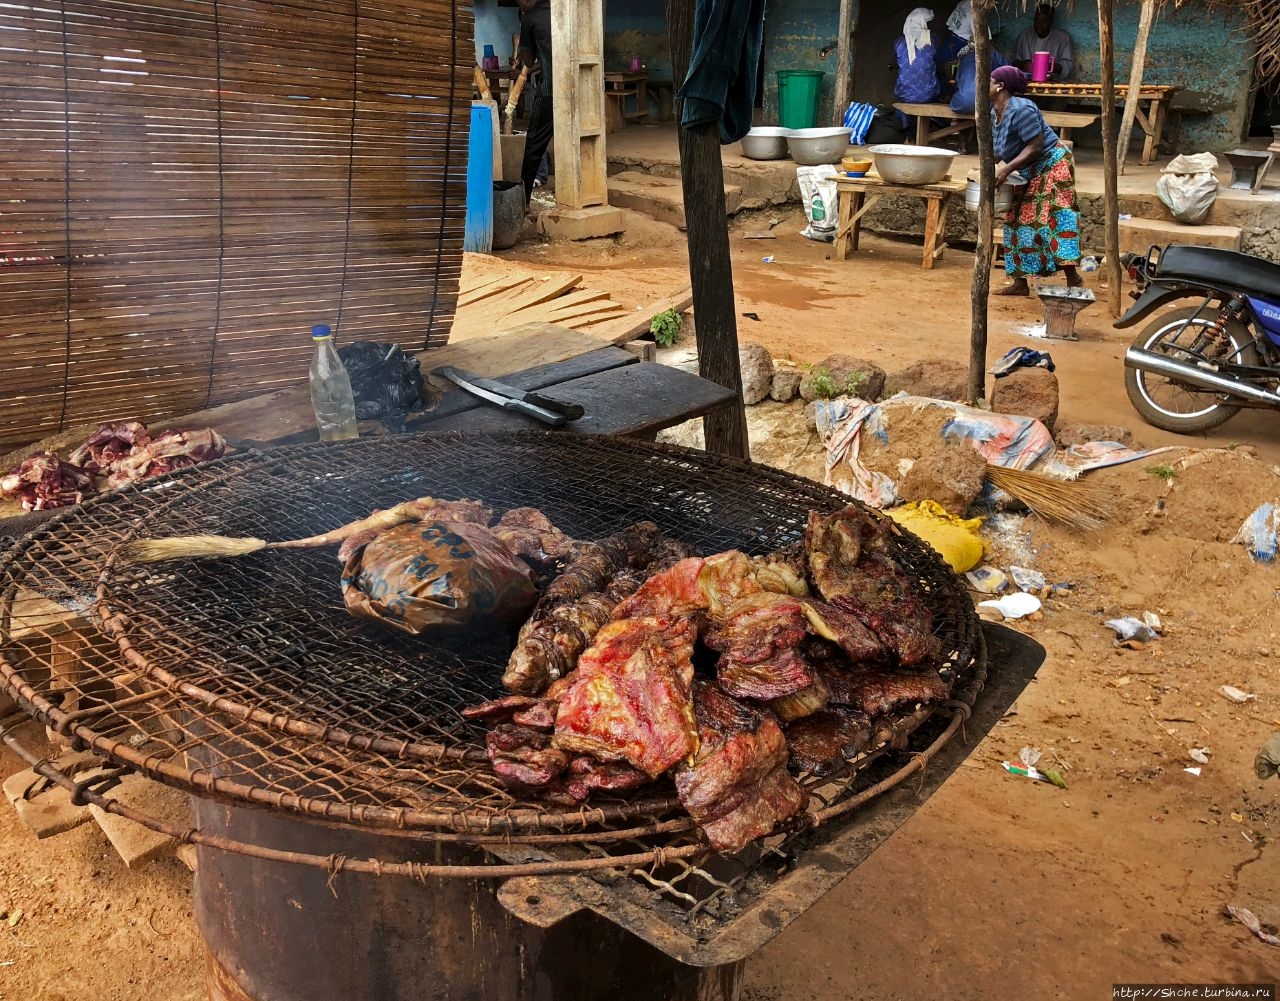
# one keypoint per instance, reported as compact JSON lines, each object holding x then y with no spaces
{"x":877,"y":691}
{"x":44,"y":481}
{"x":821,"y":743}
{"x":834,"y":543}
{"x":758,"y":643}
{"x":851,"y":569}
{"x":529,"y":533}
{"x":845,"y":630}
{"x":574,"y":607}
{"x":524,"y":759}
{"x":630,"y":697}
{"x":805,"y":702}
{"x":737,"y":789}
{"x":108,"y":445}
{"x":727,"y":579}
{"x":882,"y":597}
{"x":499,"y":709}
{"x":586,"y":775}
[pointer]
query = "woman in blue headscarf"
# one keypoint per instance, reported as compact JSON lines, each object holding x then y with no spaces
{"x":1042,"y":228}
{"x":917,"y":72}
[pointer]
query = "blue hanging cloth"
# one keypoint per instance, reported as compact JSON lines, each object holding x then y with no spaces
{"x":721,"y":83}
{"x":479,"y":227}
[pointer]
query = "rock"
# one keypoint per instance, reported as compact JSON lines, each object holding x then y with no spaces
{"x":756,"y":365}
{"x":938,"y":379}
{"x":786,"y":385}
{"x":1028,"y":392}
{"x":952,"y":476}
{"x":1079,"y":434}
{"x":843,"y":375}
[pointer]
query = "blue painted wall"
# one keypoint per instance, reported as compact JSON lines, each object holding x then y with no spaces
{"x":638,"y":28}
{"x":794,"y":32}
{"x":1207,"y":53}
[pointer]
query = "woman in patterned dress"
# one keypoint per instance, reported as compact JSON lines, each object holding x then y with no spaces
{"x":1042,"y":228}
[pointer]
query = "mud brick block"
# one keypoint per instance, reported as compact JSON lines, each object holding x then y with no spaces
{"x":135,"y":844}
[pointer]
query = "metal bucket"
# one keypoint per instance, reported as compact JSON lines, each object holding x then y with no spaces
{"x":1004,"y":196}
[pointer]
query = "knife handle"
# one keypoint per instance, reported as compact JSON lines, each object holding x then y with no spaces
{"x":571,"y":411}
{"x":537,"y":413}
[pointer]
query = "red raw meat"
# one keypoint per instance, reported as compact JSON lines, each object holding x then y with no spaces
{"x":44,"y":481}
{"x":108,"y":445}
{"x":630,"y":697}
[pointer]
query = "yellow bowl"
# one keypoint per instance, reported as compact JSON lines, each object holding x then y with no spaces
{"x":853,"y":164}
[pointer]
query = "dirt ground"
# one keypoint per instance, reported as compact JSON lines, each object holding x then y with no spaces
{"x":998,"y":887}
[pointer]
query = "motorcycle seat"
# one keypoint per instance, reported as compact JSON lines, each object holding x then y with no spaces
{"x":1210,"y":266}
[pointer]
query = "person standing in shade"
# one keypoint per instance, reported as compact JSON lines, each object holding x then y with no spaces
{"x":535,"y":51}
{"x":1042,"y":36}
{"x":1042,"y":227}
{"x":917,"y":75}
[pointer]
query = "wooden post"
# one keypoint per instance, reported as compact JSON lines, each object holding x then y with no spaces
{"x":1111,"y":183}
{"x":844,"y":60}
{"x":1145,"y":20}
{"x":710,"y":266}
{"x":986,"y":207}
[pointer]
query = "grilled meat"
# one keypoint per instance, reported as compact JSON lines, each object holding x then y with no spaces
{"x":737,"y":788}
{"x":575,"y":605}
{"x":524,"y":759}
{"x":821,"y":743}
{"x":757,"y":639}
{"x":500,"y":709}
{"x":586,"y":775}
{"x":805,"y":702}
{"x":674,"y":593}
{"x":851,"y":569}
{"x":877,"y":691}
{"x":845,"y":630}
{"x":630,"y":697}
{"x":529,"y":533}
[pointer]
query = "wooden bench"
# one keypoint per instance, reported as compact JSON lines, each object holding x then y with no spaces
{"x":1061,"y":122}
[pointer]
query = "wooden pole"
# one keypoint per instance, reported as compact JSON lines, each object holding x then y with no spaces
{"x":1145,"y":20}
{"x":1111,"y":183}
{"x":844,"y":61}
{"x":710,"y":266}
{"x":986,"y":207}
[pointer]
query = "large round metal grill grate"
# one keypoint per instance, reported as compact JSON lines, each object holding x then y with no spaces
{"x":246,"y":680}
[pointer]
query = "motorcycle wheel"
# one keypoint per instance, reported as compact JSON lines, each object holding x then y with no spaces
{"x":1172,"y":405}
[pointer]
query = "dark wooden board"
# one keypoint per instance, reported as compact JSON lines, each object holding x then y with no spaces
{"x":637,"y":399}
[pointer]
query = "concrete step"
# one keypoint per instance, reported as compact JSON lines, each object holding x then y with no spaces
{"x":1137,"y":235}
{"x":660,"y":197}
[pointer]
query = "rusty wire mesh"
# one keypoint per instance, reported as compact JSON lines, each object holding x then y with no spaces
{"x":247,"y":681}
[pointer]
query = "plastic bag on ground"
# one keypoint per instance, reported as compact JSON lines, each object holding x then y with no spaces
{"x":818,"y":193}
{"x":955,"y":539}
{"x":1188,"y":187}
{"x":1259,"y":532}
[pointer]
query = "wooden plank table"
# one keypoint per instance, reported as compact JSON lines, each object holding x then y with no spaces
{"x":618,"y":86}
{"x":1153,"y":106}
{"x":1062,"y":122}
{"x":858,"y":194}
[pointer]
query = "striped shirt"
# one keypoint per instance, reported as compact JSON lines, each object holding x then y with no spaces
{"x":1021,"y":123}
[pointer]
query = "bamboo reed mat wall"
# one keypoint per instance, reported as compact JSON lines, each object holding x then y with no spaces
{"x":189,"y":185}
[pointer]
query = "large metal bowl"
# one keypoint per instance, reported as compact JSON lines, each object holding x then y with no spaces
{"x":814,"y":147}
{"x":765,"y":142}
{"x":898,"y":163}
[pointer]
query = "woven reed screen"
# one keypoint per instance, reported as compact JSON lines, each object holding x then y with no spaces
{"x":189,"y":185}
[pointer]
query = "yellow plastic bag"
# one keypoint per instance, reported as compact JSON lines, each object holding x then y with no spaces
{"x":955,"y":539}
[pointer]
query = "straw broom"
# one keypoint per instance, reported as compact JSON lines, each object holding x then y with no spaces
{"x":206,"y":547}
{"x":1067,"y":502}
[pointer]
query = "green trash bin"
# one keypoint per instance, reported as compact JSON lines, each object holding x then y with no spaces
{"x":798,"y":93}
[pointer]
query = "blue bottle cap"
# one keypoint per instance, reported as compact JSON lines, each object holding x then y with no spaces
{"x":320,"y":331}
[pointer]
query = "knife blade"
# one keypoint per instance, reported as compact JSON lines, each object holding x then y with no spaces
{"x":498,"y":399}
{"x":570,"y":410}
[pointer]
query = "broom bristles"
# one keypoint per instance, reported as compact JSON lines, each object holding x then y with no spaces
{"x":189,"y":547}
{"x":1067,"y":502}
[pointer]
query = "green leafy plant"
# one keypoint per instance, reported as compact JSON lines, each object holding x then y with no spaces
{"x":853,"y":385}
{"x":665,"y":327}
{"x":1162,"y":470}
{"x":824,"y":386}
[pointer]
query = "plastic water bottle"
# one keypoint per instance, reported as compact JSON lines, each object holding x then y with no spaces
{"x":1089,"y":264}
{"x":331,"y":396}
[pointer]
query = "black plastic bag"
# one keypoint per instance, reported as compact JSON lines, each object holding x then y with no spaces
{"x":886,"y":127}
{"x":386,"y":382}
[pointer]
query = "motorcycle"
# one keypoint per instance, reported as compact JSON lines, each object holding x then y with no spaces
{"x":1195,"y":367}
